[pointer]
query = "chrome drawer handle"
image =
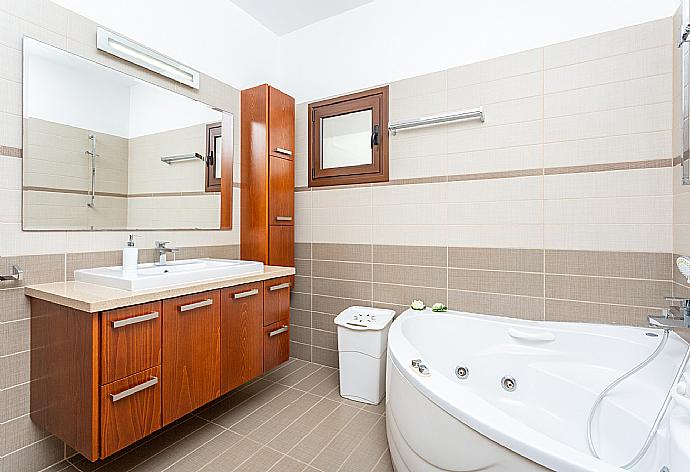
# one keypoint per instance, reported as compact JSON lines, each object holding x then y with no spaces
{"x":278,"y":331}
{"x":287,"y":152}
{"x":283,"y":218}
{"x":248,"y":293}
{"x":279,"y":286}
{"x":135,"y":319}
{"x":194,"y":306}
{"x":131,"y":391}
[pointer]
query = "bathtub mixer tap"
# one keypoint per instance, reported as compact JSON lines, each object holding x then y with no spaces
{"x":667,"y":320}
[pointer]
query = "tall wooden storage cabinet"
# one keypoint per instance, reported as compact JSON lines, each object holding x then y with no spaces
{"x":268,"y":175}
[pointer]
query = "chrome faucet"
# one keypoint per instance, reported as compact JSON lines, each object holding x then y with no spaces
{"x":162,"y":252}
{"x":668,"y":320}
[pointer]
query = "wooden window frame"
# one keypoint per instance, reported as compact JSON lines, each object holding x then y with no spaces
{"x":374,"y":99}
{"x":213,"y":130}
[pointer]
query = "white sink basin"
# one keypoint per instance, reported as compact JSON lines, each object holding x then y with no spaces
{"x":151,"y":276}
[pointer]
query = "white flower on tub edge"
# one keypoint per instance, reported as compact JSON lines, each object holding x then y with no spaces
{"x":417,"y":305}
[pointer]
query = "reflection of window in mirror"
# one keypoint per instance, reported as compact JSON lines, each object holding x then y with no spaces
{"x":213,"y":156}
{"x":348,"y":139}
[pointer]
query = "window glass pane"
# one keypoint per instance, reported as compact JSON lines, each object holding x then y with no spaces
{"x":346,"y":140}
{"x":218,"y":153}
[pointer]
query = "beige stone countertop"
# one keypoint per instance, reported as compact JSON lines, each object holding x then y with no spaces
{"x":93,"y":298}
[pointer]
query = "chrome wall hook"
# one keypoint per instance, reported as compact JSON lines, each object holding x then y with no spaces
{"x":17,"y":274}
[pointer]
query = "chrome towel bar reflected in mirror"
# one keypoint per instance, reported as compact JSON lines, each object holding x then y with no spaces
{"x":17,"y":274}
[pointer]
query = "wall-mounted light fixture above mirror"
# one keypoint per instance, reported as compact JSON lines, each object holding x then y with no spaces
{"x":95,"y":147}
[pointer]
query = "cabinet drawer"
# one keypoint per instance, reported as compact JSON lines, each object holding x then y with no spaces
{"x":241,"y":334}
{"x":130,"y":410}
{"x":276,"y":300}
{"x":281,"y":191}
{"x":276,"y":344}
{"x":131,"y":340}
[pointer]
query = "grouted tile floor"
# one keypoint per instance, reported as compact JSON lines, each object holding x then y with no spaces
{"x":291,"y":419}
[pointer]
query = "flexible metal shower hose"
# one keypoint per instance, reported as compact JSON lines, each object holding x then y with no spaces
{"x":652,"y":432}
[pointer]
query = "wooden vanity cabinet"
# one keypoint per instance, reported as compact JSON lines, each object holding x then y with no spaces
{"x":268,"y":176}
{"x":191,"y":349}
{"x":102,"y":381}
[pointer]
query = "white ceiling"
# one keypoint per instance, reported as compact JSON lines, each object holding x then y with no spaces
{"x":284,"y":16}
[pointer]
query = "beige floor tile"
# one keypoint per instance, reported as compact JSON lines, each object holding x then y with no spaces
{"x":345,"y":442}
{"x":233,"y":457}
{"x":285,"y":370}
{"x":384,"y":464}
{"x":312,"y":444}
{"x":270,"y":429}
{"x":262,"y":461}
{"x":266,"y":412}
{"x":314,"y":379}
{"x":252,"y":404}
{"x":232,"y":399}
{"x":207,"y":453}
{"x":367,"y":453}
{"x":287,"y":464}
{"x":299,"y":375}
{"x":327,"y":385}
{"x":294,"y":433}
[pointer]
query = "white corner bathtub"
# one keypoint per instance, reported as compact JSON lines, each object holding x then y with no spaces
{"x":440,"y":422}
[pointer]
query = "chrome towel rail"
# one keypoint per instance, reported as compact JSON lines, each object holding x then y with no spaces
{"x":17,"y":275}
{"x":473,"y":114}
{"x":181,"y":158}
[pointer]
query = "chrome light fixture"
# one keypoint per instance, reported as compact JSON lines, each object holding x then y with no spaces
{"x":119,"y":46}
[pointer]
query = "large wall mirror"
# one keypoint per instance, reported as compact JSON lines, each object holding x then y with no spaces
{"x":106,"y":151}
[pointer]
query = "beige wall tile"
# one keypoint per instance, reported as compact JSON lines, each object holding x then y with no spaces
{"x":495,"y":304}
{"x":609,"y":237}
{"x":404,"y":295}
{"x":466,"y":138}
{"x":648,"y":293}
{"x":638,"y":265}
{"x":416,"y":275}
{"x":512,"y":158}
{"x":513,"y":283}
{"x":652,"y":210}
{"x":37,"y":456}
{"x":342,"y":252}
{"x":620,"y":183}
{"x":522,"y":260}
{"x":611,"y":43}
{"x":493,"y":69}
{"x":14,"y":305}
{"x":632,"y":65}
{"x":416,"y":255}
{"x":584,"y":312}
{"x":523,"y":236}
{"x":342,"y":270}
{"x":342,"y":288}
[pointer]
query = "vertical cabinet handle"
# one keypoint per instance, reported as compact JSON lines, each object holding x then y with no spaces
{"x":248,"y":293}
{"x":194,"y":306}
{"x":278,"y":331}
{"x":135,"y":319}
{"x":279,"y":286}
{"x":131,"y":391}
{"x":287,"y":152}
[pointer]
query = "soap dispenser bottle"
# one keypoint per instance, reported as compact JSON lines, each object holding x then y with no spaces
{"x":130,"y":256}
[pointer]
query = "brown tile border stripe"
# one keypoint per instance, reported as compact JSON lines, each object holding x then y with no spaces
{"x":648,"y":164}
{"x":8,"y":151}
{"x":122,"y":195}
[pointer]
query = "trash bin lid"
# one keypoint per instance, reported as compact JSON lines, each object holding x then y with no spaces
{"x":364,"y":318}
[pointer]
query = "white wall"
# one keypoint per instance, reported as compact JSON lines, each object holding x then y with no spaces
{"x":388,"y":40}
{"x":81,"y":101}
{"x":154,"y":110}
{"x":214,"y":36}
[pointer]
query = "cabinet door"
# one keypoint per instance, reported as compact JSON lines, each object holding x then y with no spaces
{"x":241,"y":335}
{"x":131,"y":340}
{"x":281,"y":245}
{"x":281,"y":124}
{"x":281,"y":191}
{"x":276,"y":344}
{"x":276,"y":300}
{"x":130,"y":410}
{"x":191,"y":353}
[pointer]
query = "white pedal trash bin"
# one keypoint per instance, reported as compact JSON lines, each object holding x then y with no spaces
{"x":362,"y":343}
